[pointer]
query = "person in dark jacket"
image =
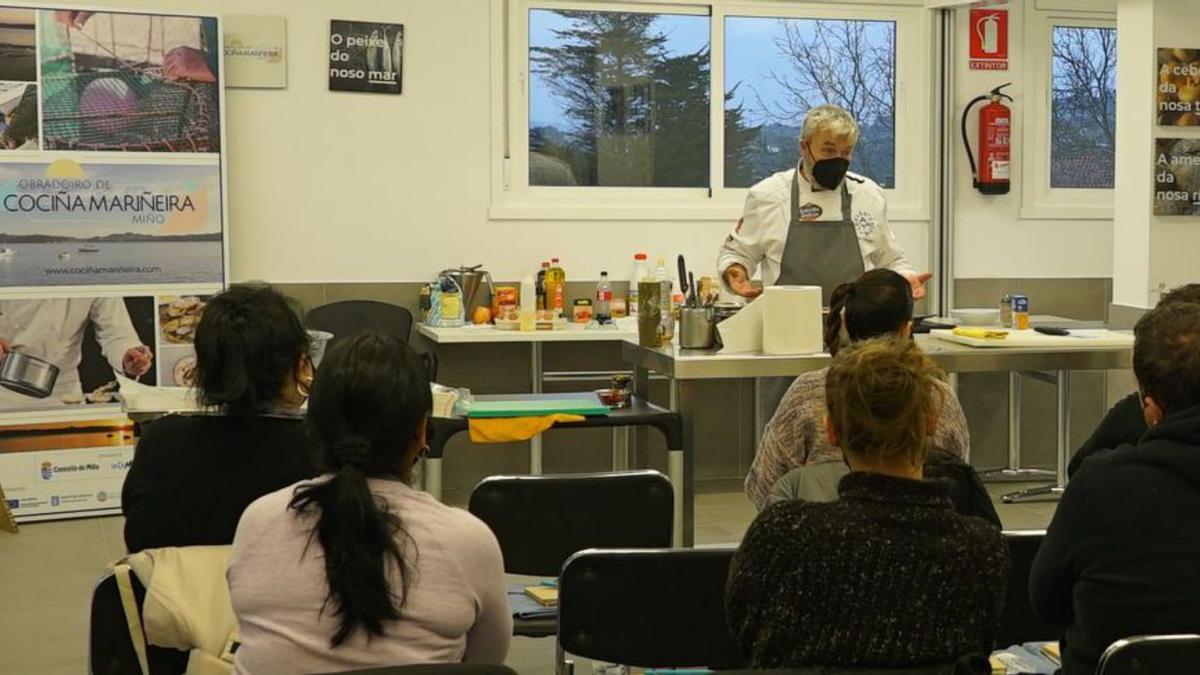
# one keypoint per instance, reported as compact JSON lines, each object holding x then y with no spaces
{"x":819,"y":482}
{"x":888,"y":576}
{"x":1124,"y":424}
{"x":1122,"y":555}
{"x":193,"y":475}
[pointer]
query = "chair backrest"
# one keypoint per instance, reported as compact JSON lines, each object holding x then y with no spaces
{"x":1151,"y":655}
{"x":660,"y":608}
{"x":1019,"y":623}
{"x":349,"y":317}
{"x":540,"y":521}
{"x":110,"y":648}
{"x":434,"y":669}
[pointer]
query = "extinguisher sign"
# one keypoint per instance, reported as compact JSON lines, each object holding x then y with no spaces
{"x":989,"y":39}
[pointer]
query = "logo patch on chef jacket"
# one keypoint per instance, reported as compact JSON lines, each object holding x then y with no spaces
{"x":810,"y":212}
{"x":864,"y":225}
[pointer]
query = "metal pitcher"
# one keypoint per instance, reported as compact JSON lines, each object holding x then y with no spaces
{"x":469,"y":280}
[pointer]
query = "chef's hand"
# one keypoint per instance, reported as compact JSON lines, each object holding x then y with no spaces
{"x":137,"y":361}
{"x":918,"y":283}
{"x":4,"y":348}
{"x":738,"y":281}
{"x":71,"y":18}
{"x":187,"y":63}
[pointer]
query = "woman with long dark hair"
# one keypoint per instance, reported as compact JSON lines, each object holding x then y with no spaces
{"x":193,"y":475}
{"x":355,"y":568}
{"x":878,"y":304}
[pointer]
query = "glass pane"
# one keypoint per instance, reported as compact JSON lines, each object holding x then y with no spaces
{"x":1083,"y":117}
{"x":776,"y":69}
{"x":618,"y":99}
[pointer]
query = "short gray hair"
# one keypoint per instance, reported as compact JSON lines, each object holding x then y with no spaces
{"x":829,"y":118}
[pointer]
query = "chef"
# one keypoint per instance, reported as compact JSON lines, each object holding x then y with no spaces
{"x":53,"y":329}
{"x":815,"y":225}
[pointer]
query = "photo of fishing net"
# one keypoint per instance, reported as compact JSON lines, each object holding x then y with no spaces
{"x":126,"y":110}
{"x":134,"y":83}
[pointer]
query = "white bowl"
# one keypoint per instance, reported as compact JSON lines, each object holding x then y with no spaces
{"x":980,"y":316}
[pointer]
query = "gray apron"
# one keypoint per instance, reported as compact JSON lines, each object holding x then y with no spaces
{"x":821,"y":253}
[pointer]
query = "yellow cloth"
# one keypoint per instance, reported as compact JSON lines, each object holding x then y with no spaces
{"x":511,"y":429}
{"x":981,"y":333}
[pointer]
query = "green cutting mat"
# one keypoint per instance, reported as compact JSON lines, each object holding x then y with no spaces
{"x":580,"y":406}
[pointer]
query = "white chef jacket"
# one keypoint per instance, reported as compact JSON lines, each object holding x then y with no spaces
{"x":53,"y":330}
{"x":761,"y":233}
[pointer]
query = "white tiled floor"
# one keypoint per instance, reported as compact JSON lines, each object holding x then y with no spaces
{"x":47,"y":572}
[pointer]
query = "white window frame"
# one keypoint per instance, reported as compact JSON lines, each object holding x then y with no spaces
{"x":514,"y":199}
{"x":1038,"y":199}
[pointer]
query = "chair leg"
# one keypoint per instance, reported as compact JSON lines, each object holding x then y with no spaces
{"x":562,"y":666}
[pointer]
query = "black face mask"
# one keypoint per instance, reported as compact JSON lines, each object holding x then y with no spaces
{"x":828,"y":173}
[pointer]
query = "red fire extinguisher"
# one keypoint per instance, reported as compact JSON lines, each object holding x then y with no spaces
{"x":993,"y":173}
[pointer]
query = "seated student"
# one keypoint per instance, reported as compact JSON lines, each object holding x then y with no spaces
{"x":888,"y":576}
{"x":878,"y":304}
{"x":193,"y":475}
{"x":355,"y":569}
{"x":1124,"y":424}
{"x":1122,"y":555}
{"x":818,"y":483}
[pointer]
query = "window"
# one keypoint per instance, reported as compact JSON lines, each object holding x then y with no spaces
{"x":672,"y":109}
{"x":618,"y":99}
{"x":776,"y":69}
{"x":1069,"y":107}
{"x":1083,"y":107}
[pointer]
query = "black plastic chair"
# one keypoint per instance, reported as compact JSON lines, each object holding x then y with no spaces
{"x":110,"y":647}
{"x":349,"y":317}
{"x":434,"y":669}
{"x":540,"y":521}
{"x":1019,"y":623}
{"x":662,"y":608}
{"x":1151,"y":655}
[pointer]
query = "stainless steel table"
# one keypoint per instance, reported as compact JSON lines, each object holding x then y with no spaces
{"x":685,"y":368}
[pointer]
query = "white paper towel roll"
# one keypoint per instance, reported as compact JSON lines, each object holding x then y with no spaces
{"x":792,"y":320}
{"x":742,"y":333}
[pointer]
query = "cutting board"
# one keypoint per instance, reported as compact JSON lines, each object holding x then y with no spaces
{"x":1097,"y":338}
{"x":537,"y":408}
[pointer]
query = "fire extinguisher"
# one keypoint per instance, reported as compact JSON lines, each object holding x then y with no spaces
{"x":993,"y":173}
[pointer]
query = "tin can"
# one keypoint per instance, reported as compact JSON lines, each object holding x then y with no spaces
{"x":1006,"y":311}
{"x":1020,"y":311}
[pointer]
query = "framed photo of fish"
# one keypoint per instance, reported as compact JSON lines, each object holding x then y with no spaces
{"x":366,"y":56}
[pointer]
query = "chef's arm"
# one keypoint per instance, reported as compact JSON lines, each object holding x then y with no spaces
{"x":114,"y":330}
{"x":746,"y":245}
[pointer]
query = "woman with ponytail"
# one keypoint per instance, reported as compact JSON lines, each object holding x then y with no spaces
{"x":193,"y":475}
{"x":878,"y":304}
{"x":355,"y":569}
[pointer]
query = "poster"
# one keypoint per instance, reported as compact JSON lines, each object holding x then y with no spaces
{"x":255,"y":51}
{"x":65,"y":469}
{"x":1177,"y":102}
{"x":112,"y":236}
{"x":1177,"y":177}
{"x":366,"y":56}
{"x":988,"y":39}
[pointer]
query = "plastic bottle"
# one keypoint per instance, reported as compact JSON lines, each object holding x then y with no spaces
{"x":664,"y":278}
{"x":602,"y":305}
{"x":641,"y":270}
{"x":528,"y":314}
{"x":556,"y":288}
{"x":541,"y":285}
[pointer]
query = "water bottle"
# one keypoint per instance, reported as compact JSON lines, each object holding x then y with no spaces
{"x":602,"y":309}
{"x":664,"y":279}
{"x":640,"y":272}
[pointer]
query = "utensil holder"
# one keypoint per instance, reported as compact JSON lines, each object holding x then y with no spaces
{"x":696,"y":328}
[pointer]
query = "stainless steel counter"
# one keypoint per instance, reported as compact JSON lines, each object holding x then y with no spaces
{"x":685,"y":368}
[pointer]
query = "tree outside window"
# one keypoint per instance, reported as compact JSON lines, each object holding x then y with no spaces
{"x":1083,"y":118}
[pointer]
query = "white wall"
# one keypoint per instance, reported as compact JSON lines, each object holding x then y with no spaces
{"x":990,"y":237}
{"x":331,"y":186}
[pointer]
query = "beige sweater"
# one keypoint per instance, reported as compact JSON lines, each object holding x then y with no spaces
{"x":456,"y":609}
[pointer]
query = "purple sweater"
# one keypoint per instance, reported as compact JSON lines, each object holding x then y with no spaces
{"x":456,"y":609}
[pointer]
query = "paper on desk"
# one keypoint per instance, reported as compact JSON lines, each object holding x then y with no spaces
{"x":743,"y":332}
{"x":138,"y":397}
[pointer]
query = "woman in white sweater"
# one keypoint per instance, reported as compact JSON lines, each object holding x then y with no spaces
{"x":355,"y":569}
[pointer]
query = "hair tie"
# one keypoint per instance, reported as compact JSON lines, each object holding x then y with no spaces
{"x":353,"y":451}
